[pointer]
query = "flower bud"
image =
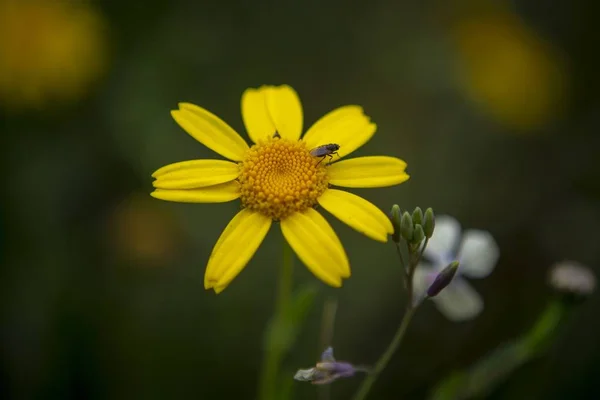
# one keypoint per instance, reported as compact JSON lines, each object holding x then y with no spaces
{"x":443,"y":279}
{"x":418,"y":234}
{"x":572,"y":279}
{"x":417,"y":216}
{"x":395,"y":218}
{"x":406,"y":226}
{"x":428,"y":222}
{"x":328,"y":370}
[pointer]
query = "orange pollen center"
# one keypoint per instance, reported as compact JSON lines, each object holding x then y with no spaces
{"x":279,"y":177}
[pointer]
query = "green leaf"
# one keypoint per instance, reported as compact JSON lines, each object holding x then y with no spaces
{"x":451,"y":387}
{"x":284,"y":328}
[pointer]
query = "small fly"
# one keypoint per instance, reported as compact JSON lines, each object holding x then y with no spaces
{"x":326,"y":150}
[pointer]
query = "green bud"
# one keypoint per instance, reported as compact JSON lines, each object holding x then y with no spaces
{"x":417,"y":216}
{"x":443,"y":279}
{"x":429,"y":222}
{"x":406,"y":226}
{"x":395,"y":218}
{"x":418,"y":234}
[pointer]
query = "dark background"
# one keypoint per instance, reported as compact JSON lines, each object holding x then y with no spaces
{"x":493,"y":105}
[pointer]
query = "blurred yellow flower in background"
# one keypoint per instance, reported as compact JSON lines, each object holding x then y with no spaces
{"x":507,"y":69}
{"x":278,"y":179}
{"x":50,"y":50}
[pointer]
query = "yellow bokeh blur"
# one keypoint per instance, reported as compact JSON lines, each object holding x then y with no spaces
{"x":50,"y":51}
{"x":140,"y":231}
{"x":508,"y":70}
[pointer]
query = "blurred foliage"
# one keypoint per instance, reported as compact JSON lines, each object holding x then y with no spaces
{"x":101,"y":287}
{"x":495,"y":368}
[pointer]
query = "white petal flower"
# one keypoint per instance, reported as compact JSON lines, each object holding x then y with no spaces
{"x":423,"y":277}
{"x":444,"y":241}
{"x":572,"y":277}
{"x":459,"y":301}
{"x":477,"y":254}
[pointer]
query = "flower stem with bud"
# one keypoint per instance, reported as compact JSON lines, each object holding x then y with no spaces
{"x":413,"y":231}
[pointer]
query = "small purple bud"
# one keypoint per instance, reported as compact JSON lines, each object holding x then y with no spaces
{"x":337,"y":367}
{"x":443,"y":279}
{"x":332,"y":371}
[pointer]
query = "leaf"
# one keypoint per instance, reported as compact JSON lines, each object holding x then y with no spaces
{"x":485,"y":375}
{"x":284,"y":328}
{"x":451,"y":387}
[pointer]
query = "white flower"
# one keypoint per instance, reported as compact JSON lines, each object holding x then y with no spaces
{"x":477,"y":254}
{"x":572,"y":277}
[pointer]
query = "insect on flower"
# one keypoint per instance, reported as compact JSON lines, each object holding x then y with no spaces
{"x":278,"y":182}
{"x":326,"y":150}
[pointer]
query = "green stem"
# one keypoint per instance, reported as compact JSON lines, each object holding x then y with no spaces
{"x":399,"y":252}
{"x":284,"y":289}
{"x":327,"y":328}
{"x":274,"y":354}
{"x":545,"y":328}
{"x":411,"y":273}
{"x":328,"y":323}
{"x":385,"y":358}
{"x":403,"y":266}
{"x":414,"y":257}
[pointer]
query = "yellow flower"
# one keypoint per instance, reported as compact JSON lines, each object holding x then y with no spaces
{"x":277,"y":179}
{"x":49,"y":50}
{"x":508,"y":70}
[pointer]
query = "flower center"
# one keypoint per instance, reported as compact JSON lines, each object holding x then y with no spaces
{"x":279,"y":177}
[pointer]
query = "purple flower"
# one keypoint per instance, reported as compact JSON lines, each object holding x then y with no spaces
{"x":327,"y":370}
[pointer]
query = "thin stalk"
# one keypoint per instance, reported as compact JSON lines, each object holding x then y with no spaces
{"x":385,"y":358}
{"x":327,"y":328}
{"x":274,"y":354}
{"x":414,"y":258}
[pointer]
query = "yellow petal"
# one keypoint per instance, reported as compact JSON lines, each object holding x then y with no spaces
{"x":340,"y":254}
{"x":195,"y":174}
{"x":257,"y":120}
{"x":358,"y":213}
{"x":236,"y":246}
{"x":211,"y":131}
{"x":272,"y":108}
{"x":368,"y":172}
{"x":210,"y":194}
{"x":317,"y":246}
{"x":347,"y":126}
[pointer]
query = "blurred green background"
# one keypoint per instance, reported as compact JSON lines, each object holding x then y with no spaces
{"x":493,"y":105}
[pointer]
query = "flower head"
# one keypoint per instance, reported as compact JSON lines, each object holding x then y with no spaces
{"x":477,"y":254}
{"x":572,"y":278}
{"x":327,"y":370}
{"x":49,"y":50}
{"x":280,"y":178}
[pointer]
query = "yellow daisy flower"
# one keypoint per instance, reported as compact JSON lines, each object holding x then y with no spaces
{"x":277,"y":179}
{"x":51,"y":51}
